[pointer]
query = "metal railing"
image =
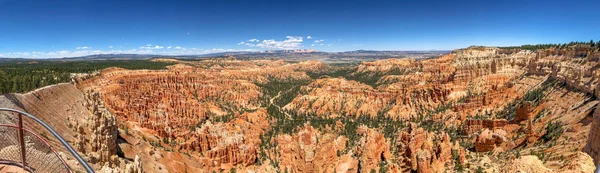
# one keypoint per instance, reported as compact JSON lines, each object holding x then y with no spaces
{"x":21,"y":147}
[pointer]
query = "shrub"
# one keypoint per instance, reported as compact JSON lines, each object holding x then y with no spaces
{"x":553,"y":131}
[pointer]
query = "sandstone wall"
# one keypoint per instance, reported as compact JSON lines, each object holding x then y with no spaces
{"x":418,"y":151}
{"x":472,"y":126}
{"x":97,"y":134}
{"x":79,"y":117}
{"x":593,"y":143}
{"x":309,"y":150}
{"x":174,"y":105}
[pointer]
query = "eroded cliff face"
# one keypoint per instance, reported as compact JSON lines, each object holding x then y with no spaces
{"x":593,"y":146}
{"x":96,"y":135}
{"x":80,"y":117}
{"x":501,"y":99}
{"x":477,"y":108}
{"x":310,"y":150}
{"x":372,"y":149}
{"x":212,"y":146}
{"x":171,"y":102}
{"x":351,"y":98}
{"x":422,"y":151}
{"x":204,"y":115}
{"x":404,"y":85}
{"x":235,"y":143}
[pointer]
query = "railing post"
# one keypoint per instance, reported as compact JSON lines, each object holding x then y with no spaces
{"x":81,"y":161}
{"x":22,"y":142}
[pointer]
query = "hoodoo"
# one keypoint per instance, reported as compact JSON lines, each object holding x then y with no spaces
{"x":478,"y":108}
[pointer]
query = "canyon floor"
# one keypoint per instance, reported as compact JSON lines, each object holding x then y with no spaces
{"x":478,"y":109}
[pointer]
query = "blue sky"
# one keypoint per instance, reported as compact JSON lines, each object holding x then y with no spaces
{"x":50,"y":29}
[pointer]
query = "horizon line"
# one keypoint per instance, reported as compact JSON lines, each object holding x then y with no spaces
{"x":233,"y":51}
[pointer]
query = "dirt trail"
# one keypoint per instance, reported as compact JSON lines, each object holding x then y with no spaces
{"x":279,"y":107}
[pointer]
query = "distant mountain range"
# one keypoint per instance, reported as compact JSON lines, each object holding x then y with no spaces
{"x":299,"y":54}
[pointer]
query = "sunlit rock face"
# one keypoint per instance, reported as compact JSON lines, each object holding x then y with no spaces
{"x":593,"y":146}
{"x":80,"y":117}
{"x":478,"y":108}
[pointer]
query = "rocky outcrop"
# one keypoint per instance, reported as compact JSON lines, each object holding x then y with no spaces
{"x":406,"y":88}
{"x":593,"y":146}
{"x":131,"y":167}
{"x":472,"y":126}
{"x":230,"y":144}
{"x":210,"y":110}
{"x":80,"y":117}
{"x":476,"y":62}
{"x":172,"y":102}
{"x":311,"y":151}
{"x":135,"y":166}
{"x":523,"y":113}
{"x":372,"y":149}
{"x":488,"y":140}
{"x":528,"y":164}
{"x":575,"y":66}
{"x":97,"y":135}
{"x":387,"y":66}
{"x":579,"y":162}
{"x":422,"y":151}
{"x":336,"y":97}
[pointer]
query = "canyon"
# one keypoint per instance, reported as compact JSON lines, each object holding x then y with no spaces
{"x":482,"y":109}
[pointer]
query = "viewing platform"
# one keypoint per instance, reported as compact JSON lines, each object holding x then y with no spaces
{"x":23,"y":149}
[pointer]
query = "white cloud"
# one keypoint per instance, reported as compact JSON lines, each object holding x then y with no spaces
{"x":318,"y":41}
{"x":330,"y":45}
{"x":150,"y":47}
{"x":291,"y":42}
{"x":308,"y":37}
{"x":246,"y":44}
